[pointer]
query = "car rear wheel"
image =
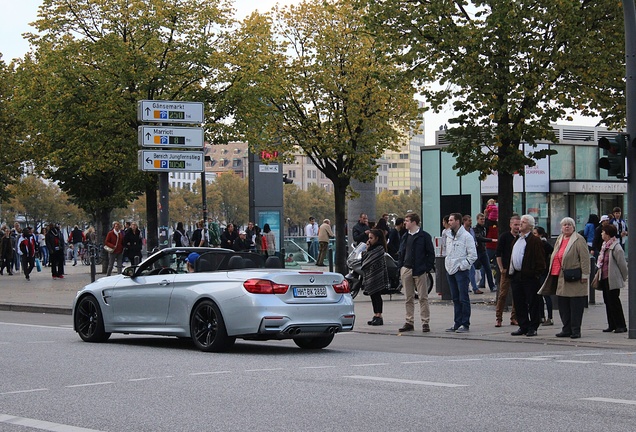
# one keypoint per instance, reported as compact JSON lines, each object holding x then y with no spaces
{"x":207,"y":328}
{"x":319,"y":342}
{"x":88,"y":320}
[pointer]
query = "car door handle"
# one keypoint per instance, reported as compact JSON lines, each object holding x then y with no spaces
{"x":164,"y":283}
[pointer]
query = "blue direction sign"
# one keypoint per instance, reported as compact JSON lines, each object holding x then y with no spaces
{"x":170,"y":112}
{"x":168,"y":161}
{"x":172,"y":136}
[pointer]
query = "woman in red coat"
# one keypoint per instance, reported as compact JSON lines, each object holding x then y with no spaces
{"x":114,"y":244}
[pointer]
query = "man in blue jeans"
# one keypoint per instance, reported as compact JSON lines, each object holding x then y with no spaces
{"x":461,"y":253}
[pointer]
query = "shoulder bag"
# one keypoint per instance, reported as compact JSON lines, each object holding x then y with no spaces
{"x":572,"y":275}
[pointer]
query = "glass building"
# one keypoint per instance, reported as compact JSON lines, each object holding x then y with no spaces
{"x":568,"y":183}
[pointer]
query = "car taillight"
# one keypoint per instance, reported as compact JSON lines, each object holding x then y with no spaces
{"x":264,"y":286}
{"x":342,"y":287}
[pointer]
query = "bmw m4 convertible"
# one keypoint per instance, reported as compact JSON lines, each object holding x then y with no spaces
{"x":214,"y":296}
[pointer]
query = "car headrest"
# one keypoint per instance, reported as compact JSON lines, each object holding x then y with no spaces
{"x":203,"y":265}
{"x":236,"y":262}
{"x":272,"y":262}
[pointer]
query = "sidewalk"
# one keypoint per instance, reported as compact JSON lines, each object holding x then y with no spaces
{"x":44,"y":294}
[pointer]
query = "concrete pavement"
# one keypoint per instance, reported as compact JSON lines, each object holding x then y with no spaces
{"x":44,"y":294}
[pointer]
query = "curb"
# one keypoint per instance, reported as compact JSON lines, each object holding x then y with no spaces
{"x":36,"y":308}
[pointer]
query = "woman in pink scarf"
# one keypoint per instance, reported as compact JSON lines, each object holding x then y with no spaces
{"x":612,"y":269}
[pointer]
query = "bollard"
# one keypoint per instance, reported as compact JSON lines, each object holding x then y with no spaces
{"x":592,"y":293}
{"x":93,"y":271}
{"x":330,"y":258}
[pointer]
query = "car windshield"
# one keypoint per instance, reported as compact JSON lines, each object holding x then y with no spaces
{"x":174,"y":260}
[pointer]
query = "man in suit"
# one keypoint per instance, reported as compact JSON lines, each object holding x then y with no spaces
{"x":527,"y":263}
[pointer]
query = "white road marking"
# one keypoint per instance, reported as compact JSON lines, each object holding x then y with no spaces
{"x":149,"y":378}
{"x":403,"y":381}
{"x":209,"y":373}
{"x":263,"y":370}
{"x":419,"y":362}
{"x":38,"y":326}
{"x":370,"y":364}
{"x":317,"y":367}
{"x":24,"y":391}
{"x":40,"y":342}
{"x":590,"y":354}
{"x":42,"y":425}
{"x":89,"y":384}
{"x":616,"y":401}
{"x":576,"y":361}
{"x":620,"y":364}
{"x":465,"y":360}
{"x":523,"y":358}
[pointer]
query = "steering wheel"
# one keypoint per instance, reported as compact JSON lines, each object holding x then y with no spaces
{"x":167,"y":270}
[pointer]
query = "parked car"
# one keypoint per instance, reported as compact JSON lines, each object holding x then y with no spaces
{"x":229,"y":295}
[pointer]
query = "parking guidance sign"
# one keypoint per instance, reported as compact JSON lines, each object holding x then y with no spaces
{"x":170,"y":161}
{"x":170,"y":112}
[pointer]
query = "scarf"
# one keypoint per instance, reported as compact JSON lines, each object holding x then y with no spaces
{"x":604,"y":248}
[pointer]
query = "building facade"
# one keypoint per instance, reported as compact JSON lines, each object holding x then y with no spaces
{"x":568,"y":183}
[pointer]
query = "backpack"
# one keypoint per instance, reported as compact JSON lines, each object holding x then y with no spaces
{"x":185,"y":241}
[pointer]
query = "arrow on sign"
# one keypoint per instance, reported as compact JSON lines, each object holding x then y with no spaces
{"x":148,"y":136}
{"x":147,"y":111}
{"x":148,"y":160}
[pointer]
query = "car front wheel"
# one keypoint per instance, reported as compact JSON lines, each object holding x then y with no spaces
{"x":207,"y":328}
{"x":88,"y":320}
{"x":314,"y":342}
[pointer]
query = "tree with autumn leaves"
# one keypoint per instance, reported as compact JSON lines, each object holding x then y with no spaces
{"x":510,"y":69}
{"x":90,"y":62}
{"x":317,"y":82}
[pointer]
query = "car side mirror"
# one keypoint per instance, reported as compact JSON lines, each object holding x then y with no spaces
{"x":129,"y":271}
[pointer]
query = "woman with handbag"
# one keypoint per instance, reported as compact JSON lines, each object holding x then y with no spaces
{"x":376,"y":275}
{"x":114,"y":245}
{"x":568,"y":277}
{"x":610,"y":278}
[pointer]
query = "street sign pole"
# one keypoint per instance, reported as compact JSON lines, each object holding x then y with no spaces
{"x":629,"y":11}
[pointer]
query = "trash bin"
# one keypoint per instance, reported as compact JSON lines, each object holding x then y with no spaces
{"x":441,"y":281}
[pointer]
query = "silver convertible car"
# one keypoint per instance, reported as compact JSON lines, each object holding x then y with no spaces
{"x":225,"y":295}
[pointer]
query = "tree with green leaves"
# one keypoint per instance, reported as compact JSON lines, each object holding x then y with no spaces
{"x":510,"y":69}
{"x":12,"y":137}
{"x":91,"y":61}
{"x":317,"y":82}
{"x":400,"y":204}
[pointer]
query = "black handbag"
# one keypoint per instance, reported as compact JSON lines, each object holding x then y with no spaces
{"x":572,"y":275}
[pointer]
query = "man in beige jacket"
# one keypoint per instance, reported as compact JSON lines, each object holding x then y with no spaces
{"x":324,"y":234}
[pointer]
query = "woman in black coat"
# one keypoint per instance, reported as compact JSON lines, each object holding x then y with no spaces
{"x":374,"y":270}
{"x":132,"y":240}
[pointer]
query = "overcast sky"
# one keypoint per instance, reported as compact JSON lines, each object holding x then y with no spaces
{"x":17,"y":14}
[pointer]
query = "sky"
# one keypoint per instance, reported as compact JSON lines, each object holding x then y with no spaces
{"x":16,"y":16}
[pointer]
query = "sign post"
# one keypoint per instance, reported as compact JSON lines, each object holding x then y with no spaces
{"x":164,"y":139}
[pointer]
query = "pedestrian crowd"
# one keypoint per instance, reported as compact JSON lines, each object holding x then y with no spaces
{"x":527,"y":266}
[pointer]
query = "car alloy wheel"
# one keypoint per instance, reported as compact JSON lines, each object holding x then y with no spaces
{"x":89,"y":323}
{"x":207,"y":328}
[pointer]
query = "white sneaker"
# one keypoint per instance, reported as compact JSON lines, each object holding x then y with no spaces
{"x":462,"y":329}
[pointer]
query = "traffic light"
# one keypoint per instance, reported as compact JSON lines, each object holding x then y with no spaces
{"x":615,"y":149}
{"x":287,"y":180}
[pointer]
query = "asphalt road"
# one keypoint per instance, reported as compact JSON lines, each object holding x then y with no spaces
{"x":51,"y":380}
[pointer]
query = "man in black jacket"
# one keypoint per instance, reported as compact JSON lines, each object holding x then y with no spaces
{"x":361,"y":230}
{"x":482,"y":238}
{"x":417,"y":259}
{"x":527,"y":263}
{"x":395,"y":236}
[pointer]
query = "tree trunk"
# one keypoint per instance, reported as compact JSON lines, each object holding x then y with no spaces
{"x":505,"y":196}
{"x":152,"y":232}
{"x":340,"y":193}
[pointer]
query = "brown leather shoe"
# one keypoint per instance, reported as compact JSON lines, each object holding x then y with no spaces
{"x":513,"y":322}
{"x":498,"y":323}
